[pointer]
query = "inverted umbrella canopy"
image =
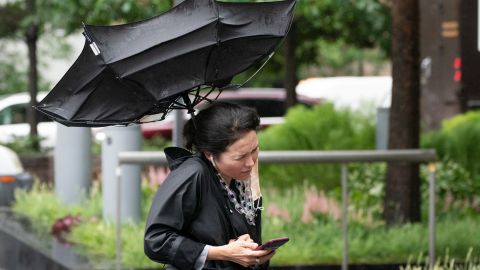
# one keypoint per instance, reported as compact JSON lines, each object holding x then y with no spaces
{"x":126,"y":73}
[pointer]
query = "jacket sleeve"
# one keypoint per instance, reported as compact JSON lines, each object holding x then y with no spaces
{"x":172,"y":209}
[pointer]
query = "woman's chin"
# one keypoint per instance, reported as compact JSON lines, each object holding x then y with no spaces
{"x":244,"y":176}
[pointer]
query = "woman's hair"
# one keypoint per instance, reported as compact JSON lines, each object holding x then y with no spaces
{"x":218,"y":126}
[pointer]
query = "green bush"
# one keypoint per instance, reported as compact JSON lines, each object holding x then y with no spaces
{"x":319,"y":128}
{"x":455,"y":189}
{"x":458,"y":177}
{"x":457,"y":140}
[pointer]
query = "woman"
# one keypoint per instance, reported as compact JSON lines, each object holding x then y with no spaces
{"x":206,"y":215}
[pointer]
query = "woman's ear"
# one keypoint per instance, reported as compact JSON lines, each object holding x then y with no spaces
{"x":208,"y":155}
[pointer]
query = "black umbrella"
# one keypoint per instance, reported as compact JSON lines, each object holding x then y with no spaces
{"x":138,"y":72}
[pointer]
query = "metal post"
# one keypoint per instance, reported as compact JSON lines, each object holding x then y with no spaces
{"x":121,"y":139}
{"x":345,"y":216}
{"x":179,"y":119}
{"x":177,"y":133}
{"x":381,"y":138}
{"x":431,"y":215}
{"x":72,"y":164}
{"x":118,"y":224}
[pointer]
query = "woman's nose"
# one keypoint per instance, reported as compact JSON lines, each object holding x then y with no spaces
{"x":250,"y":161}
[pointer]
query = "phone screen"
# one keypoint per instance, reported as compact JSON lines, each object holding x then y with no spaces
{"x":273,"y":243}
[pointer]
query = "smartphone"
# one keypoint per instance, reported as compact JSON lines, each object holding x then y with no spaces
{"x":273,"y":243}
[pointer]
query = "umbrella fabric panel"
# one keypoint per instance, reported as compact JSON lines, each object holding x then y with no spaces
{"x":103,"y":98}
{"x":123,"y":41}
{"x":239,"y":20}
{"x":236,"y":56}
{"x":174,"y":76}
{"x":229,"y":55}
{"x":200,"y":41}
{"x":113,"y":100}
{"x":71,"y":90}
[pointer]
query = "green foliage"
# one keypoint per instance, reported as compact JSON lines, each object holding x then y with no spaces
{"x":339,"y":59}
{"x":26,"y":145}
{"x":455,"y":189}
{"x":366,"y":184}
{"x":321,"y":242}
{"x":457,"y":140}
{"x":363,"y":24}
{"x":68,"y":15}
{"x":15,"y":79}
{"x":331,"y":37}
{"x":319,"y":128}
{"x":156,"y":143}
{"x":316,"y":242}
{"x":42,"y":204}
{"x":10,"y":14}
{"x":452,"y":177}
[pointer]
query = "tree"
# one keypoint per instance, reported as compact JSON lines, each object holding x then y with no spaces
{"x":360,"y":23}
{"x":402,"y":198}
{"x":357,"y":23}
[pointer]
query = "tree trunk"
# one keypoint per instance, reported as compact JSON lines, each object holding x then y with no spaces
{"x":402,"y":198}
{"x":31,"y":39}
{"x":291,"y":79}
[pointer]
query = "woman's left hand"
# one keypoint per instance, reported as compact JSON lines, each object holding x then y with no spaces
{"x":241,"y":251}
{"x":255,"y":182}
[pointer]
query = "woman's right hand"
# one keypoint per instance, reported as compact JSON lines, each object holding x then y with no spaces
{"x":241,"y":251}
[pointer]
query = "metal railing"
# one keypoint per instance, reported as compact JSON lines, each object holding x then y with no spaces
{"x":342,"y":157}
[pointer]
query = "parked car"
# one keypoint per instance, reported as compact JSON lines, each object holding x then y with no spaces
{"x":269,"y":103}
{"x":14,"y":122}
{"x":12,"y":176}
{"x":351,"y":92}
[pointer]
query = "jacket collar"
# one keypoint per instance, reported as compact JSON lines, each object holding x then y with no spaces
{"x":176,"y":156}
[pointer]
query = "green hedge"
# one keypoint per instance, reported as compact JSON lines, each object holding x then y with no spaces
{"x":457,"y":145}
{"x":458,"y":140}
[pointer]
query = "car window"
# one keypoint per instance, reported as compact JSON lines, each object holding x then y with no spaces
{"x":17,"y":114}
{"x":5,"y":116}
{"x":13,"y":115}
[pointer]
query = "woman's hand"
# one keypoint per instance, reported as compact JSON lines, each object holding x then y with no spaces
{"x":241,"y":251}
{"x":255,"y":182}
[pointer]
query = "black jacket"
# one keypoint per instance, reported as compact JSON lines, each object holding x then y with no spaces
{"x":191,"y":210}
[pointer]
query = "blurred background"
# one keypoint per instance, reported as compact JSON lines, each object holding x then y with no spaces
{"x":350,"y":75}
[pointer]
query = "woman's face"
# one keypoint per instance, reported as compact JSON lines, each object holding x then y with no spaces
{"x":238,"y":160}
